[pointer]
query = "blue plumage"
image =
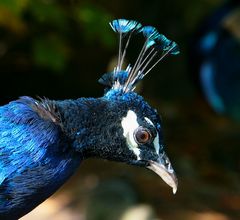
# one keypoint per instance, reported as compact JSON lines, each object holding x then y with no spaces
{"x":214,"y":57}
{"x":42,"y":142}
{"x":35,"y":160}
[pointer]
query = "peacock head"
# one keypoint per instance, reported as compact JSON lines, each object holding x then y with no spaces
{"x":130,"y":130}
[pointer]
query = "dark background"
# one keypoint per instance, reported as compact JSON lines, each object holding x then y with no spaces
{"x":58,"y":49}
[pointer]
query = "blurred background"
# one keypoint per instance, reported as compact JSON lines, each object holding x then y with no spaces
{"x":58,"y":49}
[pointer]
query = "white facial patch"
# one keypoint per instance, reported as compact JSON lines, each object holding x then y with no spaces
{"x":130,"y":124}
{"x":156,"y":140}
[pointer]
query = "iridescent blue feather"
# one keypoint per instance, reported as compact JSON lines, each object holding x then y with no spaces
{"x":156,"y":47}
{"x":150,"y":32}
{"x":27,"y":143}
{"x":124,"y":26}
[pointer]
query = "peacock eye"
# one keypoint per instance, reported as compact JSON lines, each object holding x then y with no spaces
{"x":142,"y":135}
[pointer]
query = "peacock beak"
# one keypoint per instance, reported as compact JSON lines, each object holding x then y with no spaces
{"x":163,"y":168}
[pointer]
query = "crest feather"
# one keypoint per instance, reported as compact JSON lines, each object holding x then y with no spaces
{"x":155,"y":48}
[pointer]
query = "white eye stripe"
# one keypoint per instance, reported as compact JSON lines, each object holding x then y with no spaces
{"x":156,"y":140}
{"x":129,"y":125}
{"x":149,"y":121}
{"x":156,"y":144}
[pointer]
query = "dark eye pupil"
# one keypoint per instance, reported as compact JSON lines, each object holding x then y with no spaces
{"x":142,"y":135}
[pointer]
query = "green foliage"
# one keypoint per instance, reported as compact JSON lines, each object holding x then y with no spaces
{"x":50,"y":52}
{"x":49,"y":13}
{"x":96,"y":18}
{"x":15,"y":6}
{"x":49,"y":28}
